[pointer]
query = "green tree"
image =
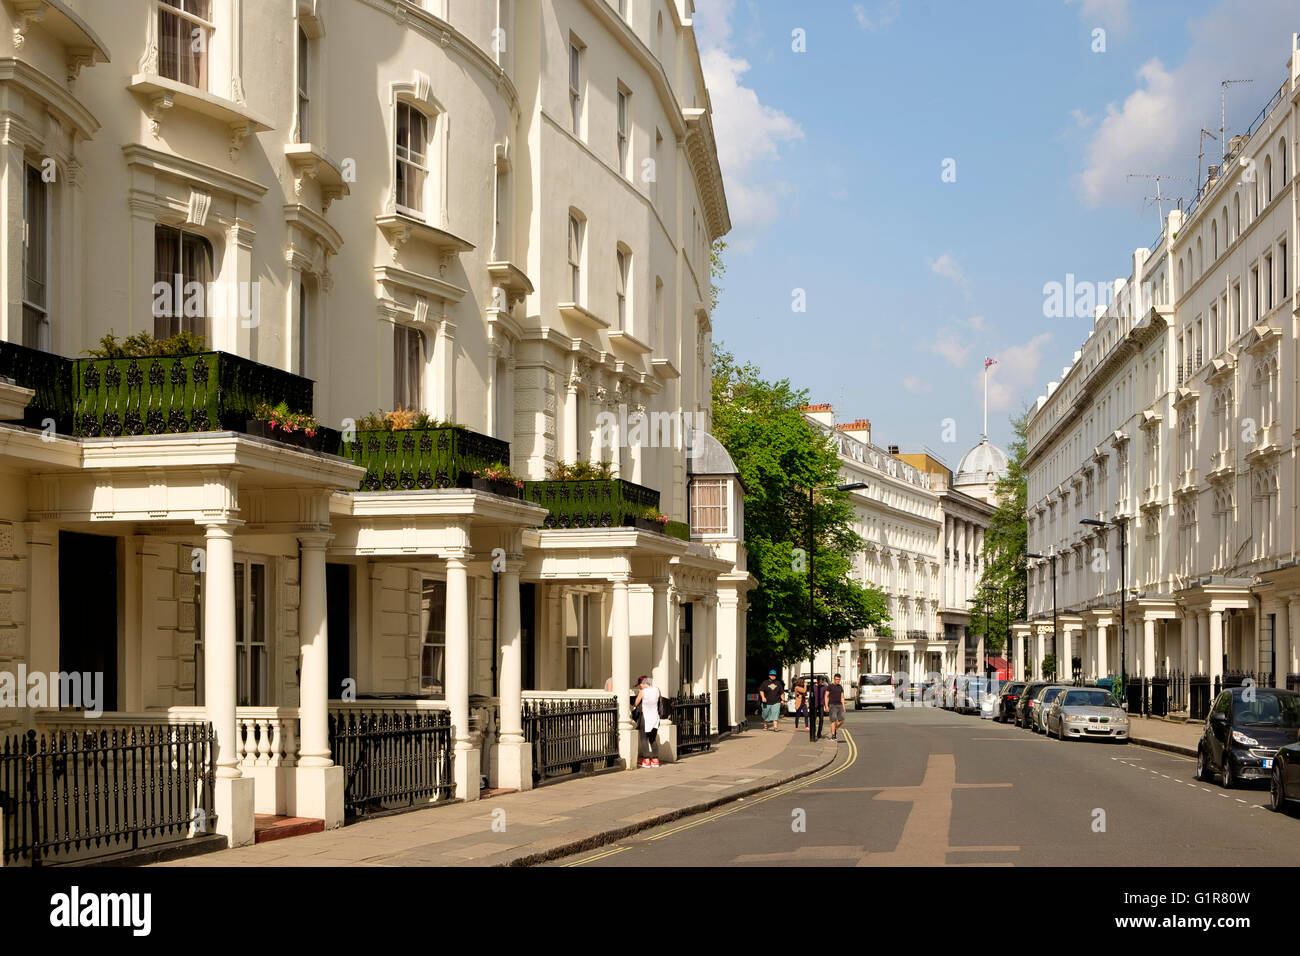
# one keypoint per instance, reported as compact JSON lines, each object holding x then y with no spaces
{"x":717,"y":269}
{"x":779,"y":458}
{"x":1005,"y":542}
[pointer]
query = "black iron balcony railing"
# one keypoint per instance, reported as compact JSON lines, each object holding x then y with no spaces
{"x":423,"y":458}
{"x":49,"y":375}
{"x":600,"y":503}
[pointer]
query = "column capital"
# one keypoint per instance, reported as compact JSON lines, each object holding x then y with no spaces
{"x":224,"y":527}
{"x":315,"y":540}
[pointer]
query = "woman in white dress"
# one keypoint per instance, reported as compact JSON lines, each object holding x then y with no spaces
{"x":647,"y":698}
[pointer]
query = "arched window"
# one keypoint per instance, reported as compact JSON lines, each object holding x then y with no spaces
{"x":1200,"y":260}
{"x":1182,"y":285}
{"x":1281,"y":162}
{"x":1236,"y":215}
{"x":1268,"y":179}
{"x":1214,"y":241}
{"x":622,"y":284}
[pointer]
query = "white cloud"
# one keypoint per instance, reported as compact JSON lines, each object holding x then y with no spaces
{"x":872,"y":20}
{"x":1112,"y":14}
{"x":1016,"y":374}
{"x":976,"y":323}
{"x":947,"y":267}
{"x":1156,"y":128}
{"x":950,"y":348}
{"x":749,"y":133}
{"x":1081,"y":119}
{"x":916,"y":386}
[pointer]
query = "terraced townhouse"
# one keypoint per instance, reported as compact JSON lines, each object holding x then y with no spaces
{"x":497,"y":214}
{"x":1175,"y":427}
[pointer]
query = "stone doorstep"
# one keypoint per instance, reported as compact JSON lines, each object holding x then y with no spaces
{"x":268,"y":827}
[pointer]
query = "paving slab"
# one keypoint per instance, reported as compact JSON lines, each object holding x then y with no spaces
{"x":551,"y":821}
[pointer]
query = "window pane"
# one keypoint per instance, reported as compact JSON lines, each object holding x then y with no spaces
{"x":709,"y":507}
{"x":304,"y":328}
{"x":433,"y":652}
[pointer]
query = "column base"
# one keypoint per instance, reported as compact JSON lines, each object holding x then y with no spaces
{"x":232,"y":801}
{"x":513,"y":760}
{"x":465,"y":771}
{"x":667,"y":742}
{"x":318,"y":794}
{"x":629,"y":742}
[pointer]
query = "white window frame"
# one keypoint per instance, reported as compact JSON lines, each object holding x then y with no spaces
{"x":179,"y":10}
{"x":577,"y":643}
{"x":177,"y":322}
{"x":577,"y":82}
{"x":304,"y":327}
{"x":623,"y":285}
{"x":302,"y":70}
{"x":576,"y":229}
{"x":407,"y":394}
{"x":705,"y":528}
{"x":623,"y":127}
{"x":432,"y":635}
{"x":412,"y":159}
{"x":247,"y":649}
{"x":40,"y":311}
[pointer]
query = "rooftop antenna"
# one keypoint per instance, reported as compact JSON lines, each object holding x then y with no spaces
{"x":1159,"y":197}
{"x":1223,"y":98}
{"x":1200,"y":157}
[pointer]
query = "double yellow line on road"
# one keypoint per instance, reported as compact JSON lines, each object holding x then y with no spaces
{"x":742,"y":804}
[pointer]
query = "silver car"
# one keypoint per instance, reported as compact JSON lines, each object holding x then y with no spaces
{"x":1039,"y":707}
{"x":1084,"y":712}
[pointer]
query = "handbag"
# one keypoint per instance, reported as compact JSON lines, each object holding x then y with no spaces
{"x":665,"y":709}
{"x":637,"y":715}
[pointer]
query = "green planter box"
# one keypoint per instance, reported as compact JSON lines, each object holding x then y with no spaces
{"x":210,"y":391}
{"x":423,"y":458}
{"x":596,"y":503}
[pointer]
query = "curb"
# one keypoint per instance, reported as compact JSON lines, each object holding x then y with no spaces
{"x":1161,"y":745}
{"x":612,"y":836}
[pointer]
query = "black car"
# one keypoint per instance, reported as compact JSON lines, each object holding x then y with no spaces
{"x":1285,"y":783}
{"x":1022,"y":705}
{"x":1243,"y":732}
{"x":1007,"y":701}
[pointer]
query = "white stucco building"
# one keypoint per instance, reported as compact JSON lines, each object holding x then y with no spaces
{"x":924,"y":551}
{"x":498,"y":212}
{"x":1174,"y":420}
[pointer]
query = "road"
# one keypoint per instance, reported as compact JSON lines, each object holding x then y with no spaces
{"x":925,"y":787}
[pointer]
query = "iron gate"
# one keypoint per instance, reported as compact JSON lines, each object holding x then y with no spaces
{"x":392,"y":760}
{"x":571,"y":735}
{"x":691,"y":721}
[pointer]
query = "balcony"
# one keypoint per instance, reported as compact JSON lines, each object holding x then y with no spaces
{"x":600,"y":503}
{"x":49,"y":375}
{"x":423,"y":458}
{"x":208,"y":391}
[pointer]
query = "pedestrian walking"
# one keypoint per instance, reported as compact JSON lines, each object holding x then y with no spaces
{"x":647,"y":702}
{"x":819,"y":706}
{"x":835,"y":706}
{"x":800,"y":701}
{"x":771,"y":694}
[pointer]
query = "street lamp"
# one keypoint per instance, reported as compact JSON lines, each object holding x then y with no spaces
{"x":1122,"y":524}
{"x":1055,"y":650}
{"x":812,"y":695}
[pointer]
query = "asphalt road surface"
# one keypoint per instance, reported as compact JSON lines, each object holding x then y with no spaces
{"x":926,"y":787}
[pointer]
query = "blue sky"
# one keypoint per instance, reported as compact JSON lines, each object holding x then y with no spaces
{"x":833,"y":160}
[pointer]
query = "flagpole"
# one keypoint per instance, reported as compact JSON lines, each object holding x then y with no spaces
{"x":986,"y":399}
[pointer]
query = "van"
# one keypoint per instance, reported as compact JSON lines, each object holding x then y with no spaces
{"x":875,"y":690}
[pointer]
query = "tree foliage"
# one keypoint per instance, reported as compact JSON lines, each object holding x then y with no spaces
{"x":779,"y":458}
{"x":1005,"y":544}
{"x":717,"y":269}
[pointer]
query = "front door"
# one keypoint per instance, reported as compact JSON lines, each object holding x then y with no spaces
{"x":88,"y":610}
{"x":338,"y":620}
{"x":527,"y":634}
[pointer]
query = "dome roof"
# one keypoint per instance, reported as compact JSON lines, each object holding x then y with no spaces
{"x":706,"y":456}
{"x":985,"y":463}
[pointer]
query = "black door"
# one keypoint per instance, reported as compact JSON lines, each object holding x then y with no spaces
{"x":338,"y":619}
{"x":88,"y":609}
{"x":527,"y":631}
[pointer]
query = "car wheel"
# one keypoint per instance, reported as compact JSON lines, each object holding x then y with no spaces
{"x":1276,"y":789}
{"x":1227,"y":779}
{"x":1060,"y":732}
{"x":1202,"y":769}
{"x":891,"y":706}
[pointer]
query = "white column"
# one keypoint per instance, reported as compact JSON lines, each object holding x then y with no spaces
{"x":1202,"y":642}
{"x":1018,"y":661}
{"x":621,"y":659}
{"x":1148,"y":647}
{"x":1190,"y":634}
{"x":319,"y":785}
{"x":233,"y":796}
{"x":514,"y":756}
{"x":1041,"y":642}
{"x":466,"y":754}
{"x":1293,"y":640}
{"x":571,"y":422}
{"x":1215,"y":663}
{"x":711,"y":662}
{"x":1102,"y":639}
{"x":662,"y":646}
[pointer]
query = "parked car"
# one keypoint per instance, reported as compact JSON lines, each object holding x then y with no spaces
{"x":1086,"y":712}
{"x":914,"y":691}
{"x":1023,"y":708}
{"x":1284,"y":784}
{"x":1008,"y":697}
{"x":1039,"y":707}
{"x":989,"y":706}
{"x":875,"y":690}
{"x":971,"y":694}
{"x":1243,"y":733}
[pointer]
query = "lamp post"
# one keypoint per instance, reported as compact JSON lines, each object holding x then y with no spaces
{"x":811,"y":692}
{"x":1055,"y":650}
{"x":1122,"y":524}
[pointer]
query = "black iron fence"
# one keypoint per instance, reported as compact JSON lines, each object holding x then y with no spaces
{"x":84,"y":794}
{"x":571,"y":735}
{"x":392,"y":760}
{"x":1239,"y":678}
{"x":1198,"y":696}
{"x":691,"y":720}
{"x":724,"y":706}
{"x":1293,"y":681}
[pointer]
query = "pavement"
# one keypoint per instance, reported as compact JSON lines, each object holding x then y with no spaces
{"x":1175,"y":736}
{"x":559,"y":819}
{"x":925,"y":787}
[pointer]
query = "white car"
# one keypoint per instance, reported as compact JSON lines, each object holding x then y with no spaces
{"x":875,"y":690}
{"x":989,"y":706}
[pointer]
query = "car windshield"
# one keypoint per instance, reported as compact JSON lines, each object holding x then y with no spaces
{"x":1049,"y":695}
{"x":1013,"y":689}
{"x":1088,"y":698}
{"x":1269,"y":710}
